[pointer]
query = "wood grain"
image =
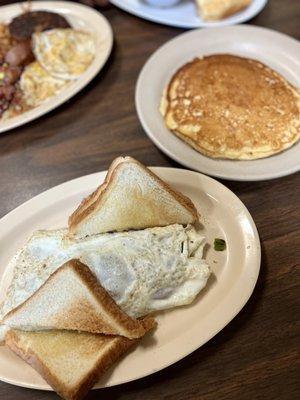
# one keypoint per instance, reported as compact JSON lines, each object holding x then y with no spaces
{"x":256,"y":355}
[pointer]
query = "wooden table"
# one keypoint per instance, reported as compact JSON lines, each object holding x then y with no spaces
{"x":255,"y":356}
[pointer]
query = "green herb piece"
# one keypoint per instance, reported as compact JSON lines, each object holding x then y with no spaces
{"x":219,"y":244}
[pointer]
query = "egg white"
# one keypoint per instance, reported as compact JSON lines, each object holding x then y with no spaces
{"x":38,"y":85}
{"x":144,"y":271}
{"x":64,"y":53}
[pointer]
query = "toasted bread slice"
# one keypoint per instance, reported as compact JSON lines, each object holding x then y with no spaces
{"x":71,"y":362}
{"x":72,"y":298}
{"x":131,"y":197}
{"x":213,"y":10}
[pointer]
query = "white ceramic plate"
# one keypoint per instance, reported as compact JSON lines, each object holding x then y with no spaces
{"x":274,"y":49}
{"x":80,"y":17}
{"x":185,"y":14}
{"x":181,"y":330}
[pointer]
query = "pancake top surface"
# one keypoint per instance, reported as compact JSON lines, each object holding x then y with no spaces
{"x":232,"y":107}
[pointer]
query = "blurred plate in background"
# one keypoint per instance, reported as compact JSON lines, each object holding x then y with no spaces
{"x":185,"y":14}
{"x":80,"y":17}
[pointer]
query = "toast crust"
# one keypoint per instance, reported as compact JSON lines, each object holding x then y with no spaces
{"x":222,"y":12}
{"x":72,"y":320}
{"x":94,"y":201}
{"x":113,"y":350}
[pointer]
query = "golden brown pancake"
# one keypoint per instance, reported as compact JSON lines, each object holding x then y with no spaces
{"x":231,"y":107}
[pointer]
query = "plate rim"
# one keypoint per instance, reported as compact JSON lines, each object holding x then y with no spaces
{"x":255,"y":257}
{"x":82,"y":81}
{"x":173,"y":154}
{"x":225,"y":22}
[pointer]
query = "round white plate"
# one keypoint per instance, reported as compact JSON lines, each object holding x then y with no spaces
{"x":185,"y":14}
{"x":180,"y":331}
{"x":274,"y":49}
{"x":80,"y":17}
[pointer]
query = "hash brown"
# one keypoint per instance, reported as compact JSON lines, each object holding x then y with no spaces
{"x":226,"y":106}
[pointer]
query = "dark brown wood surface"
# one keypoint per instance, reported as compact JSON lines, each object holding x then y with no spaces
{"x":256,"y":355}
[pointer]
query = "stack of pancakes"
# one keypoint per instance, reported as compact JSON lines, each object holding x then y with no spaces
{"x":231,"y":107}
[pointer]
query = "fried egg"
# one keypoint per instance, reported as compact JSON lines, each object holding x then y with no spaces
{"x":144,"y":271}
{"x":38,"y":85}
{"x":64,"y":53}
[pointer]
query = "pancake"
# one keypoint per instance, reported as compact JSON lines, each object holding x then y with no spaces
{"x":231,"y":107}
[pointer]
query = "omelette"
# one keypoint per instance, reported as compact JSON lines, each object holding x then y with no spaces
{"x":230,"y":107}
{"x":64,"y":53}
{"x":147,"y":270}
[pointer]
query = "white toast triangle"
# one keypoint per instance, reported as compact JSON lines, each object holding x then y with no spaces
{"x":73,"y":299}
{"x":71,"y":362}
{"x":131,"y":197}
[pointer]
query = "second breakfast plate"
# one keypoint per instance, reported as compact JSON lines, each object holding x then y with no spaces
{"x":180,"y":331}
{"x":278,"y":51}
{"x":184,"y":14}
{"x":80,"y":17}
